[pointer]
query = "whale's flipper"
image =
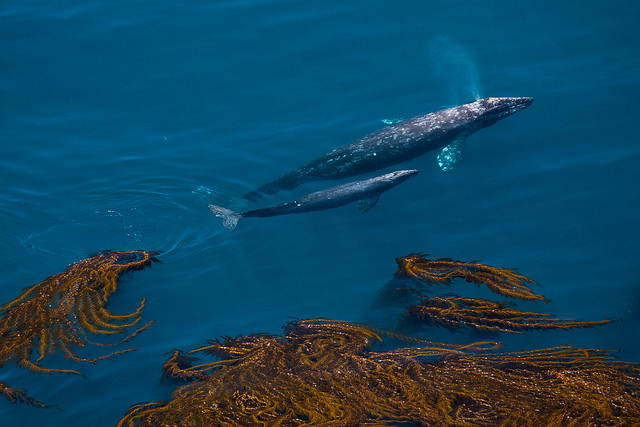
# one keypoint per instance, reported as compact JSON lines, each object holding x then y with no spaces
{"x":229,"y":218}
{"x":451,"y":154}
{"x":365,"y":205}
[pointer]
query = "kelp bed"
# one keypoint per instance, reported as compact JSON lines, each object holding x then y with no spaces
{"x":329,"y":372}
{"x":58,"y":313}
{"x":324,"y":372}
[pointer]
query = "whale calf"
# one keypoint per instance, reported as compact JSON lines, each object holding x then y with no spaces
{"x":401,"y":142}
{"x":366,"y":192}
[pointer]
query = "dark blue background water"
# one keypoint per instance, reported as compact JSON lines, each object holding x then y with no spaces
{"x":121,"y":121}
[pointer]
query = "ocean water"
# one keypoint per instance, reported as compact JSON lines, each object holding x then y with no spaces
{"x":121,"y":121}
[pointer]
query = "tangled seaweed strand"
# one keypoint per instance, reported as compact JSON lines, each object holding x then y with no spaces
{"x":555,"y":386}
{"x":454,"y":312}
{"x":18,"y":395}
{"x":56,"y":314}
{"x":503,"y":281}
{"x":324,"y":372}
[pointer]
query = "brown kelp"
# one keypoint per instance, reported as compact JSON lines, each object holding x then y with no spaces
{"x":503,"y":281}
{"x":58,"y":313}
{"x":16,"y":395}
{"x":454,"y":312}
{"x":324,"y":372}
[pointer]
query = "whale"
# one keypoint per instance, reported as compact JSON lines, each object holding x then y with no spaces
{"x":445,"y":129}
{"x":365,"y":192}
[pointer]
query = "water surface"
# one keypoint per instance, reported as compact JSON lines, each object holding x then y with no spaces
{"x":121,"y":121}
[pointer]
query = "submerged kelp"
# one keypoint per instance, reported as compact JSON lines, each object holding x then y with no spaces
{"x":503,"y":281}
{"x":325,"y":372}
{"x":454,"y":312}
{"x":18,"y":395}
{"x":56,"y":314}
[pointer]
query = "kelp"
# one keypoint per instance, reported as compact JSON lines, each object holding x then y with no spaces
{"x":349,"y":336}
{"x":58,"y":313}
{"x":555,"y":386}
{"x":323,"y":372}
{"x":503,"y":281}
{"x":454,"y":312}
{"x":18,"y":395}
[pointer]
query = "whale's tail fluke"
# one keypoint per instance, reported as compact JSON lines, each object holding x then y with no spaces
{"x":229,"y":218}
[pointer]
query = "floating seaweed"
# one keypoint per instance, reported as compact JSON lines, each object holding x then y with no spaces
{"x":18,"y":395}
{"x":56,"y":314}
{"x":555,"y":386}
{"x":454,"y":312}
{"x":325,"y":372}
{"x":503,"y":281}
{"x":178,"y":366}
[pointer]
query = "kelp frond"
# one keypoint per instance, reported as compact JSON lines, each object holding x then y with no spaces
{"x":503,"y":281}
{"x":18,"y":395}
{"x":454,"y":312}
{"x":178,"y":365}
{"x":319,"y":335}
{"x":58,"y":313}
{"x":377,"y":334}
{"x":324,"y":372}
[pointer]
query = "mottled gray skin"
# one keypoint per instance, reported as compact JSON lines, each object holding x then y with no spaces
{"x":367,"y":192}
{"x":398,"y":143}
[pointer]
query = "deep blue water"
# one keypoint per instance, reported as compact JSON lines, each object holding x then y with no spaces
{"x":121,"y":121}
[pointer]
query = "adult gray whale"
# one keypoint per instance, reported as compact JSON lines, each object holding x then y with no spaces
{"x":367,"y":192}
{"x":401,"y":142}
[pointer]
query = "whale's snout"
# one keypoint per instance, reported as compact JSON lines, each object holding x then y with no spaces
{"x":502,"y":107}
{"x":492,"y":110}
{"x":402,"y":175}
{"x":522,"y":102}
